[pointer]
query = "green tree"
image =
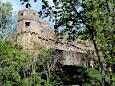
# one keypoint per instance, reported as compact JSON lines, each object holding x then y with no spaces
{"x":19,"y":68}
{"x":5,"y":18}
{"x":96,"y":17}
{"x":100,"y":28}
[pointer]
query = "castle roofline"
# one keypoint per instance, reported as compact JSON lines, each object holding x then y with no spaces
{"x":28,"y":14}
{"x":27,"y":9}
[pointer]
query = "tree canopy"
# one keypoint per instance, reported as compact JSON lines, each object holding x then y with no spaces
{"x":92,"y":20}
{"x":5,"y":18}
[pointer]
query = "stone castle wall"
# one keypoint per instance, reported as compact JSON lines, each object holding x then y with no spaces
{"x":31,"y":30}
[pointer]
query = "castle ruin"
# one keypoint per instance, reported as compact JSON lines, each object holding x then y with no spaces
{"x":31,"y":30}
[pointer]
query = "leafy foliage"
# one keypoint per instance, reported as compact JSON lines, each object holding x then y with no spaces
{"x":87,"y":19}
{"x":19,"y":68}
{"x":5,"y":18}
{"x":97,"y":17}
{"x":11,"y":60}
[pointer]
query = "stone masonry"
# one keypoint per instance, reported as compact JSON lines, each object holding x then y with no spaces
{"x":31,"y":30}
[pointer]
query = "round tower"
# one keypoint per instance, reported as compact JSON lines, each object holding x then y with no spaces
{"x":28,"y":21}
{"x":27,"y":24}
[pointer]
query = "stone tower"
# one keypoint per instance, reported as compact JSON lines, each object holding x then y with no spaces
{"x":27,"y":24}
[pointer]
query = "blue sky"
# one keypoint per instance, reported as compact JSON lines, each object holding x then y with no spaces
{"x":35,"y":6}
{"x":18,"y":6}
